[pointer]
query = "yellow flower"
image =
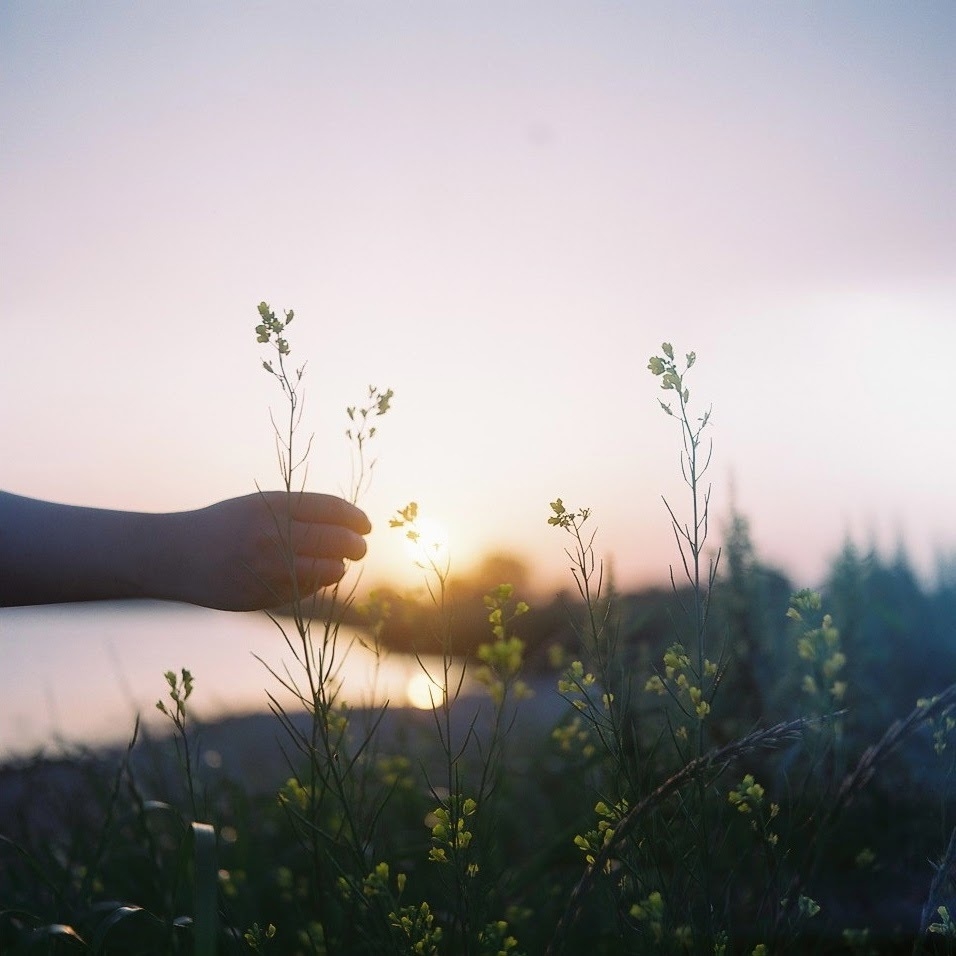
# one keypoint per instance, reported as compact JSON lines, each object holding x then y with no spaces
{"x":833,"y":664}
{"x":655,"y":685}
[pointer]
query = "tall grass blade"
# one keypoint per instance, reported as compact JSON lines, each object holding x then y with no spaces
{"x":206,"y":925}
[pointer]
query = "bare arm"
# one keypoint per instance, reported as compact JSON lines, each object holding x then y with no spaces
{"x":232,"y":555}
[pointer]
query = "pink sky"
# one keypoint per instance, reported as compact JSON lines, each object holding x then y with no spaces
{"x":499,"y":211}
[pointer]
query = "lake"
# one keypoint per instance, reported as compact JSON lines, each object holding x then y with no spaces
{"x":79,"y":673}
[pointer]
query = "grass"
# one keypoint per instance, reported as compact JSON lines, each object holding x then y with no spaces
{"x":718,"y":787}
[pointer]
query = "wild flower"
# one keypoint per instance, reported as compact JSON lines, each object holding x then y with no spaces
{"x":449,"y":830}
{"x":748,"y":799}
{"x":180,"y":690}
{"x":574,"y":737}
{"x":696,"y":685}
{"x":818,"y":646}
{"x":945,"y":925}
{"x":679,"y":679}
{"x":415,"y":929}
{"x":360,"y":432}
{"x":593,"y":841}
{"x":748,"y":796}
{"x":593,"y":686}
{"x":257,"y":937}
{"x":496,"y":940}
{"x":650,"y":911}
{"x":461,"y":857}
{"x":502,"y":658}
{"x":327,"y":802}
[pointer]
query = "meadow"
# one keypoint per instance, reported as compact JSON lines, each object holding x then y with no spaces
{"x":737,"y":765}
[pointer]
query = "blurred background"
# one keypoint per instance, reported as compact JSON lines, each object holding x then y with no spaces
{"x":499,"y":211}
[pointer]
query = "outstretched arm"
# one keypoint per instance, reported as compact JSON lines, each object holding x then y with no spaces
{"x":247,"y":553}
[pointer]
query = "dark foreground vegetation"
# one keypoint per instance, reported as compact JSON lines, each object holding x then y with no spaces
{"x":726,"y":767}
{"x":841,"y":848}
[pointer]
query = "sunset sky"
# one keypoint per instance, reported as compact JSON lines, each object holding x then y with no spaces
{"x":498,"y":210}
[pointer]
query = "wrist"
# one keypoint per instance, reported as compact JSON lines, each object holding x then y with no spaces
{"x":159,"y":565}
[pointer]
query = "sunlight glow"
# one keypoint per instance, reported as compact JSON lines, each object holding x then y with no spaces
{"x":427,"y":544}
{"x":423,"y":691}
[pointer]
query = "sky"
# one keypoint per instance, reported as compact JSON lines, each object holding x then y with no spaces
{"x":498,"y":210}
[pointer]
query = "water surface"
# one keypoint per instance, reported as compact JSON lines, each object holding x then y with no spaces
{"x":79,"y":673}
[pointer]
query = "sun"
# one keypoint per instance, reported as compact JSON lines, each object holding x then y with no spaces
{"x":427,"y":543}
{"x":423,"y":691}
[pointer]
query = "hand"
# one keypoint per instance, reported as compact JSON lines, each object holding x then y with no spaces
{"x":264,"y":549}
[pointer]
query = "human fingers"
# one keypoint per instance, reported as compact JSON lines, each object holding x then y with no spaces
{"x":333,"y":541}
{"x":315,"y":508}
{"x":315,"y":573}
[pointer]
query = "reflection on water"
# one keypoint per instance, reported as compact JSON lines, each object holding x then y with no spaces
{"x":81,"y":672}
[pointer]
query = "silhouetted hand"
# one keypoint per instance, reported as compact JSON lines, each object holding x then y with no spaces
{"x":265,"y":549}
{"x":257,"y":551}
